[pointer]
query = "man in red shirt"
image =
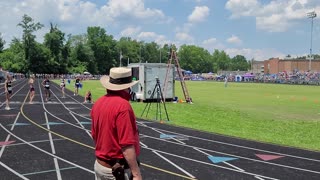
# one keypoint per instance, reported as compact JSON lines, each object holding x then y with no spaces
{"x":114,"y":129}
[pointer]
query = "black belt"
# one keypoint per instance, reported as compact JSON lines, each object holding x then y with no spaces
{"x":112,"y":162}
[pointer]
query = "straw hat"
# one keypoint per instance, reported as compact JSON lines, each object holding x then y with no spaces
{"x":119,"y":78}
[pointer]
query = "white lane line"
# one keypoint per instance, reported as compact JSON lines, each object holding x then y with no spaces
{"x":70,"y":112}
{"x":12,"y":95}
{"x":8,"y":137}
{"x":259,"y":178}
{"x":170,"y":137}
{"x":142,"y":124}
{"x":81,"y":115}
{"x":209,"y":164}
{"x":235,"y":167}
{"x":175,"y":165}
{"x":74,"y":99}
{"x":239,"y":146}
{"x":13,"y":171}
{"x":34,"y":142}
{"x":56,"y":164}
{"x":50,"y":154}
{"x":87,"y":131}
{"x":143,"y":145}
{"x":69,"y":108}
{"x":48,"y":171}
{"x":41,"y":95}
{"x":265,"y":162}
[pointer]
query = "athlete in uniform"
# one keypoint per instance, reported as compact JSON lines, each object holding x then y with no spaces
{"x":46,"y":85}
{"x":88,"y":97}
{"x":62,"y":86}
{"x":76,"y":86}
{"x":8,"y":90}
{"x":31,"y":85}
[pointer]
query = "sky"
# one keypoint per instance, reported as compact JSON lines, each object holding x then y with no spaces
{"x":256,"y":29}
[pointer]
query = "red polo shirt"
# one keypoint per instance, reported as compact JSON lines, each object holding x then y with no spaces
{"x":113,"y":125}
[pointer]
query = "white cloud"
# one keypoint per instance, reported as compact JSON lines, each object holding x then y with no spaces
{"x":74,"y":16}
{"x":210,"y":41}
{"x":275,"y":16}
{"x":146,"y":35}
{"x":152,"y":36}
{"x":199,"y":14}
{"x":130,"y":31}
{"x":132,"y":8}
{"x":257,"y":54}
{"x":211,"y":44}
{"x":241,"y":7}
{"x":184,"y":37}
{"x":234,"y":40}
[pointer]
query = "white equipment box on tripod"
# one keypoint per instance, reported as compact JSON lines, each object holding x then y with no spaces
{"x":146,"y":74}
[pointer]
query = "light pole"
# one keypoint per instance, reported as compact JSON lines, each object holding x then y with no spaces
{"x":160,"y":55}
{"x":311,"y":15}
{"x":140,"y":54}
{"x":120,"y":57}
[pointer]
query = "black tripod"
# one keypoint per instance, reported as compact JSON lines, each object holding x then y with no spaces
{"x":160,"y":99}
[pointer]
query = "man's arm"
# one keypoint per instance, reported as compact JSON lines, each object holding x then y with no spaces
{"x":129,"y":154}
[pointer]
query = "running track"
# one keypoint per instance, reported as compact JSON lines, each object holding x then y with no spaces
{"x":51,"y":140}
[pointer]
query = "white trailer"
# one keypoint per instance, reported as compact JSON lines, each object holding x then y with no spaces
{"x":147,"y":74}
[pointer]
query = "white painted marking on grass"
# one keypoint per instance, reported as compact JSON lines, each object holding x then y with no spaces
{"x":13,"y":171}
{"x":175,"y":165}
{"x":50,"y":154}
{"x":56,"y":165}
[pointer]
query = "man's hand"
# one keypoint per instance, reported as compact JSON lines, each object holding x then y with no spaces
{"x":129,"y":154}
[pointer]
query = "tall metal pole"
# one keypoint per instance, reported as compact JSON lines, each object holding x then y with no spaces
{"x":120,"y":58}
{"x":311,"y":15}
{"x":160,"y":55}
{"x":140,"y":54}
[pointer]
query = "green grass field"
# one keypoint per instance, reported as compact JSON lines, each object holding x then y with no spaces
{"x":274,"y":113}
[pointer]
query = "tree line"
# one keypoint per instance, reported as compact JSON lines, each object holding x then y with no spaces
{"x":97,"y":52}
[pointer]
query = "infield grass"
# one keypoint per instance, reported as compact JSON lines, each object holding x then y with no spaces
{"x":274,"y":113}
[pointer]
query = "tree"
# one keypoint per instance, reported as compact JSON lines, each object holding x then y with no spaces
{"x":41,"y":59}
{"x":81,"y":56}
{"x":12,"y":59}
{"x":28,"y":38}
{"x":2,"y":43}
{"x":195,"y":58}
{"x":152,"y":52}
{"x":164,"y":53}
{"x":104,"y":49}
{"x":221,"y":60}
{"x":239,"y":62}
{"x":54,"y":42}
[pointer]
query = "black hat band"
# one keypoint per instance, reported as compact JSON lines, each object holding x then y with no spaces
{"x":124,"y":80}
